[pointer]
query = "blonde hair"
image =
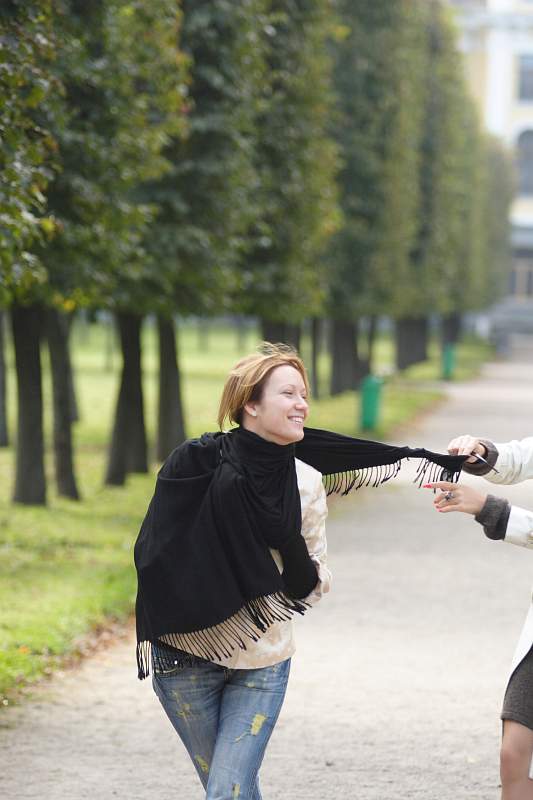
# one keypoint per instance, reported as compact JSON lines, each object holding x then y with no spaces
{"x":246,"y":380}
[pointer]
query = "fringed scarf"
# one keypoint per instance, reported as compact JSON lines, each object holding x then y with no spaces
{"x":207,"y":582}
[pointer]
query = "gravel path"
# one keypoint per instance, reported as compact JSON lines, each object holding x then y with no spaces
{"x":397,"y":683}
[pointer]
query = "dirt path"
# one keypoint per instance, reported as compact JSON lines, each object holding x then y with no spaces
{"x":397,"y":683}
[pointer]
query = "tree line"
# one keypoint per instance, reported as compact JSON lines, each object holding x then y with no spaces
{"x":283,"y":159}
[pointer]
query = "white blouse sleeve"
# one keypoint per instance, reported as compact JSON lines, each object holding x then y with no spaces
{"x":514,"y":462}
{"x":314,"y":532}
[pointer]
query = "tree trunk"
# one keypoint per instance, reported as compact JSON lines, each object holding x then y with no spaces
{"x":281,"y":332}
{"x":30,"y":481}
{"x":171,"y":425}
{"x":128,"y":449}
{"x":451,"y":328}
{"x":57,"y":334}
{"x":4,"y":434}
{"x":412,"y":335}
{"x":73,"y":400}
{"x":347,"y":369}
{"x":371,"y":340}
{"x":293,"y":335}
{"x":272,"y":331}
{"x":315,"y":353}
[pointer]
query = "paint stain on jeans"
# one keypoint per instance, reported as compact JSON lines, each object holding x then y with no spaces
{"x":257,"y":724}
{"x":202,"y":763}
{"x":183,"y":709}
{"x":236,"y":791}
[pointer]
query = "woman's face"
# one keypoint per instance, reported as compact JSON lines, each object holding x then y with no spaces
{"x":281,"y":413}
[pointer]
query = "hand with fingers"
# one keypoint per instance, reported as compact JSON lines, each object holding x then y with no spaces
{"x":466,"y":445}
{"x":457,"y":497}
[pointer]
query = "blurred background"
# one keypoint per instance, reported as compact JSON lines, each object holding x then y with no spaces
{"x":180,"y":180}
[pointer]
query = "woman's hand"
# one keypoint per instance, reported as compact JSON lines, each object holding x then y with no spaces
{"x":466,"y":445}
{"x":457,"y":497}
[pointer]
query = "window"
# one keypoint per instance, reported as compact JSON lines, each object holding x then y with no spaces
{"x":525,"y":87}
{"x":525,"y":162}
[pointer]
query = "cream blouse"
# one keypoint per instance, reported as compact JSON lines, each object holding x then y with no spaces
{"x":277,"y":643}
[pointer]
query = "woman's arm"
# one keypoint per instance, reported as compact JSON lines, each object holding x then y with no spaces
{"x":500,"y":520}
{"x":513,"y":460}
{"x":314,"y":533}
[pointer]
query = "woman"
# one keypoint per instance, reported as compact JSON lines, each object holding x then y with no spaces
{"x":232,"y":546}
{"x":224,"y":702}
{"x":507,"y":463}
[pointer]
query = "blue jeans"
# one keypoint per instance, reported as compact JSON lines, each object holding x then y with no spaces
{"x":225,"y":718}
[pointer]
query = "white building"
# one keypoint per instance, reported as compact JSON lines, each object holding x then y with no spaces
{"x":497,"y":38}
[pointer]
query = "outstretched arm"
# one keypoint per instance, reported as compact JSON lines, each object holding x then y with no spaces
{"x":513,"y":460}
{"x":499,"y":519}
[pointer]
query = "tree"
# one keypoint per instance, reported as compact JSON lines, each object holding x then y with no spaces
{"x":282,"y":276}
{"x":123,"y":79}
{"x":30,"y":99}
{"x":4,"y":431}
{"x":205,"y":202}
{"x":449,"y":148}
{"x":378,"y":53}
{"x":499,"y":191}
{"x":27,"y":87}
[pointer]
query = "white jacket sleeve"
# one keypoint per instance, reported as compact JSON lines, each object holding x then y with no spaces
{"x":515,"y":464}
{"x":314,"y":533}
{"x":520,"y":527}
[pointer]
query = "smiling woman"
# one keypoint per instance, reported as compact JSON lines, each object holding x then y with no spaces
{"x":232,"y":546}
{"x":253,"y":552}
{"x":268,"y":395}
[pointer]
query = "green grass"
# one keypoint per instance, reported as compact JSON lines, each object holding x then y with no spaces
{"x":66,"y":569}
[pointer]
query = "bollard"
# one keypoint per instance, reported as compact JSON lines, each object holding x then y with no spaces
{"x":370,"y":401}
{"x":448,"y":361}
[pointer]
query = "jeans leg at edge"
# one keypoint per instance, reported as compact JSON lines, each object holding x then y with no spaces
{"x":249,"y":710}
{"x":191,"y":698}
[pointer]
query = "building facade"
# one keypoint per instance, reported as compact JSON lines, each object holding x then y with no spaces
{"x":497,"y":39}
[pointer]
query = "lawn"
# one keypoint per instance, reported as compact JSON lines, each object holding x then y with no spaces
{"x":67,"y":569}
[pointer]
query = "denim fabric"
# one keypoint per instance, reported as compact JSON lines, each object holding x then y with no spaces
{"x":225,"y":718}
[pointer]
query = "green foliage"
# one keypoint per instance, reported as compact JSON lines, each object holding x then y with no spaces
{"x":296,"y":162}
{"x":206,"y":200}
{"x":423,"y":229}
{"x":498,"y":195}
{"x":379,"y":59}
{"x":447,"y":136}
{"x":124,"y":80}
{"x":27,"y":148}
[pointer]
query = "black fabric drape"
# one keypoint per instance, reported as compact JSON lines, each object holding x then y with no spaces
{"x":207,"y":582}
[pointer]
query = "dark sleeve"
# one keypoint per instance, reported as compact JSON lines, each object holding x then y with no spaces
{"x":300,"y":575}
{"x":478,"y":467}
{"x":494,"y":516}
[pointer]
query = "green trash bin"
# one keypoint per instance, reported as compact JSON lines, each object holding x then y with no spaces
{"x":448,"y":361}
{"x":370,"y":401}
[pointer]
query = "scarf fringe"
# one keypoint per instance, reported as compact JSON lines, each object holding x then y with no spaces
{"x":430,"y":472}
{"x":221,"y":640}
{"x":344,"y":482}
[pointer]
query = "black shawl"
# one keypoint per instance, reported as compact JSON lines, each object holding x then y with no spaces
{"x":207,"y":581}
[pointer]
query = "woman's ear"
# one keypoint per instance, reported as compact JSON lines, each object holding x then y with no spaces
{"x":251,"y":409}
